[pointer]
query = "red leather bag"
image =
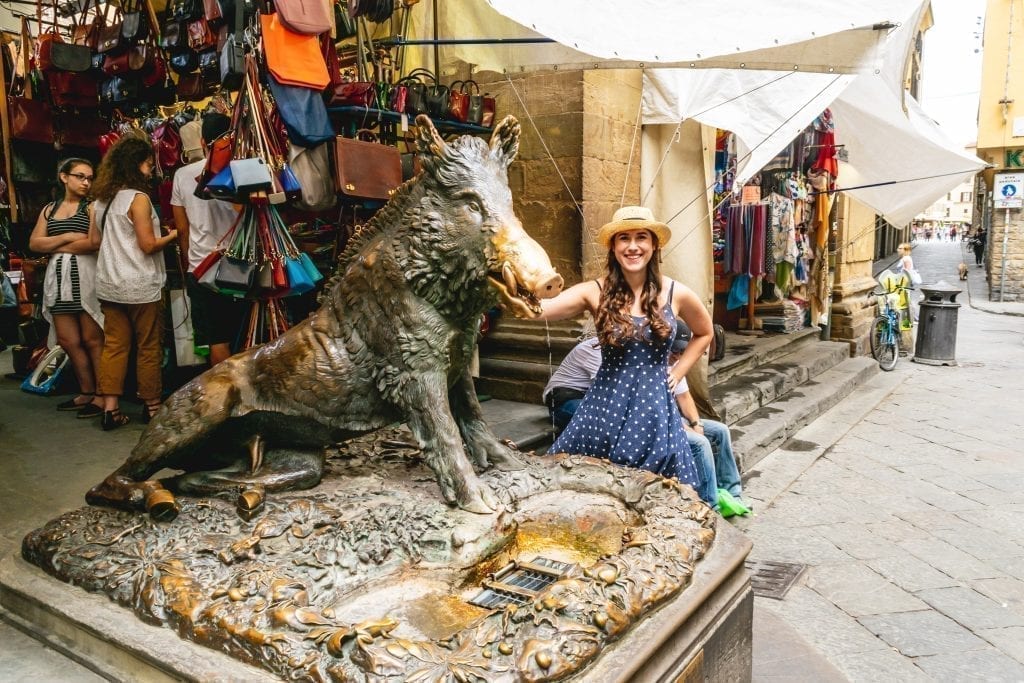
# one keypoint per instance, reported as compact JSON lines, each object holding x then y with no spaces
{"x":354,"y":94}
{"x":115,"y":65}
{"x":200,"y":36}
{"x":69,"y":89}
{"x":458,"y":102}
{"x":31,"y":120}
{"x":167,"y":146}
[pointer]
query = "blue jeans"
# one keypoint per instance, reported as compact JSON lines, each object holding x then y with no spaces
{"x":715,"y":461}
{"x":561,"y":415}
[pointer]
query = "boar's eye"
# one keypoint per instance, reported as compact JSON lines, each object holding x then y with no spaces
{"x":472,"y":202}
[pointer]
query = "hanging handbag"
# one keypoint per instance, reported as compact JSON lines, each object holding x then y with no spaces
{"x":184,"y":61}
{"x":212,"y":12}
{"x":250,"y":175}
{"x":69,"y":57}
{"x":192,"y":88}
{"x":142,"y":58}
{"x":110,"y":34}
{"x":157,"y":75}
{"x":232,"y":64}
{"x":353,"y":94}
{"x":303,"y":113}
{"x":308,"y":17}
{"x":222,"y":185}
{"x":134,"y":24}
{"x":235,"y":276}
{"x":366,"y":170}
{"x":293,"y":58}
{"x":312,"y":169}
{"x":209,"y":67}
{"x":70,"y":89}
{"x":187,"y":10}
{"x":31,"y":120}
{"x":115,"y":64}
{"x":86,"y":32}
{"x":170,"y":39}
{"x":86,"y":131}
{"x":200,"y":37}
{"x":167,"y":145}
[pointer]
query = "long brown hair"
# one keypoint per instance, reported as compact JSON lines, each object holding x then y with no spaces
{"x":119,"y":169}
{"x":614,"y":322}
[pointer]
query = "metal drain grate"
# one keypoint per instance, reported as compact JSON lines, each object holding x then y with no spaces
{"x":519,"y":582}
{"x":773,"y":579}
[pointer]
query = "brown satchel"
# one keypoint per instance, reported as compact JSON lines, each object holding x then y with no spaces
{"x":366,"y":170}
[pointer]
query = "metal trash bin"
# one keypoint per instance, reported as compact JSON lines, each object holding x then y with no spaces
{"x":936,"y":325}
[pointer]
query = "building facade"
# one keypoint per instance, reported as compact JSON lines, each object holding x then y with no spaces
{"x":1001,"y":143}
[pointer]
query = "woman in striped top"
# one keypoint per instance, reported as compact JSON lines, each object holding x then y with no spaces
{"x":69,"y":289}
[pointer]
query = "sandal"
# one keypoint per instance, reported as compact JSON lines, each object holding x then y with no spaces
{"x":112,"y":419}
{"x":149,"y":410}
{"x":89,"y":410}
{"x":72,"y":403}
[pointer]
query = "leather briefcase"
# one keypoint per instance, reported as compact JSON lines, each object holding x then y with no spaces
{"x":366,"y":170}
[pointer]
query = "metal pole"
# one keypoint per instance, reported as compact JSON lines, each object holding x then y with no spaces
{"x":1002,"y":266}
{"x":437,"y":49}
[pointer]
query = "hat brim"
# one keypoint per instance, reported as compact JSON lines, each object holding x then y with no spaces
{"x":609,"y":230}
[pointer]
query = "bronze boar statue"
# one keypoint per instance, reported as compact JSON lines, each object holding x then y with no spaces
{"x":391,"y":341}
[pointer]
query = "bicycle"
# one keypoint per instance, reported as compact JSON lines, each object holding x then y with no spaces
{"x":886,"y":330}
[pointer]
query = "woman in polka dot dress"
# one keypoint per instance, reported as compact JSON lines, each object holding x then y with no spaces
{"x":629,"y":416}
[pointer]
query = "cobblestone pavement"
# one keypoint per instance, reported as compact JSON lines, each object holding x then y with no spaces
{"x":911,"y":524}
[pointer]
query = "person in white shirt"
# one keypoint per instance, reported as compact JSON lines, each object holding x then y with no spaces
{"x":201,"y":223}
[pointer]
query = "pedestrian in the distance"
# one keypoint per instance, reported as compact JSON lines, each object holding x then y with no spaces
{"x":130,"y":276}
{"x":979,"y":247}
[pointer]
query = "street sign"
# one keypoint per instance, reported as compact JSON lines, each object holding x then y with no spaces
{"x":1009,"y":191}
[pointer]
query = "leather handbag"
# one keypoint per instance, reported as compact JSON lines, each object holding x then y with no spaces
{"x":235,"y":276}
{"x":209,"y":67}
{"x":435,"y":95}
{"x":458,"y":102}
{"x":353,"y":94}
{"x":134,"y":24}
{"x":312,"y":169}
{"x":192,"y":87}
{"x":156,"y":76}
{"x":85,"y":132}
{"x":31,"y":120}
{"x":308,"y":17}
{"x":70,"y":89}
{"x":171,"y":37}
{"x":115,"y":64}
{"x":167,"y":144}
{"x":187,"y":10}
{"x":119,"y":91}
{"x":303,"y":113}
{"x":212,"y":12}
{"x":366,"y":170}
{"x":200,"y":36}
{"x":232,"y":64}
{"x":293,"y":58}
{"x":87,"y":32}
{"x":142,"y":58}
{"x":397,"y":98}
{"x":475,"y":110}
{"x":70,"y":57}
{"x":110,"y":35}
{"x":487,"y":106}
{"x":250,"y":175}
{"x":184,"y":61}
{"x":415,"y":96}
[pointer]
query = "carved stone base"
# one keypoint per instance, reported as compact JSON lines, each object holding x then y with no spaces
{"x":367,"y":577}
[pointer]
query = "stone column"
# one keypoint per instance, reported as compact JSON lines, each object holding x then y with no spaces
{"x":853,"y":306}
{"x":578,"y":129}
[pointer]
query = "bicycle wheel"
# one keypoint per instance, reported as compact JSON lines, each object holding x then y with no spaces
{"x":884,"y":343}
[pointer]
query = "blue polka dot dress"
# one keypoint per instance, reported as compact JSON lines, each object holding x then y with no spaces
{"x":629,"y":415}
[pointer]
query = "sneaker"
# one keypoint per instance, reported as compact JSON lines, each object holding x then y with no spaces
{"x":731,"y":506}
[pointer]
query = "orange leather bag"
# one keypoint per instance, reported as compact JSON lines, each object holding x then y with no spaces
{"x":293,"y":58}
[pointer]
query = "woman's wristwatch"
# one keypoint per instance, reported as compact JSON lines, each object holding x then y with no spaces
{"x":695,"y":423}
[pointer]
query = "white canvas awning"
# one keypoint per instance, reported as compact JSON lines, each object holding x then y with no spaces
{"x":751,"y":34}
{"x":884,"y":143}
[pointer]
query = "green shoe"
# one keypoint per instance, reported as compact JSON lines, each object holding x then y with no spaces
{"x":731,"y":506}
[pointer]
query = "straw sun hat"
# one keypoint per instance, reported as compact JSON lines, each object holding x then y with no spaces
{"x":633,"y":218}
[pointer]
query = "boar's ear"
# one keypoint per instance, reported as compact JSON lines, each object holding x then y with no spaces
{"x":505,"y":140}
{"x":428,"y":141}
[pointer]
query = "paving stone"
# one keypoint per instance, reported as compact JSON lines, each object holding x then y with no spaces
{"x":881,"y":666}
{"x":896,"y":529}
{"x":779,"y":651}
{"x":949,"y":560}
{"x":1009,"y":522}
{"x":916,"y":634}
{"x":980,"y":665}
{"x":910,"y":573}
{"x":855,"y":539}
{"x":970,"y":608}
{"x":1009,"y":640}
{"x":821,"y":623}
{"x":858,"y":590}
{"x":981,"y":543}
{"x":805,"y":547}
{"x":930,"y":518}
{"x":24,"y":659}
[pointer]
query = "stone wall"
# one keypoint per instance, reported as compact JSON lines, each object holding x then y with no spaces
{"x":1014,"y":278}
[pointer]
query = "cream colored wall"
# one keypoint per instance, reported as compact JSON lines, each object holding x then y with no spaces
{"x":682,"y":182}
{"x":995,"y":133}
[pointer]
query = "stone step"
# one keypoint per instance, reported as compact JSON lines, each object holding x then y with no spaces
{"x":743,"y":353}
{"x":760,"y":432}
{"x":528,"y":425}
{"x":758,"y":386}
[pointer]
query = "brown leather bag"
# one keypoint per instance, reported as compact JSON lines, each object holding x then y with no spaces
{"x":31,"y":120}
{"x":366,"y":170}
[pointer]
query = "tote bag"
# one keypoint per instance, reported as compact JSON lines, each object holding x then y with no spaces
{"x":293,"y":58}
